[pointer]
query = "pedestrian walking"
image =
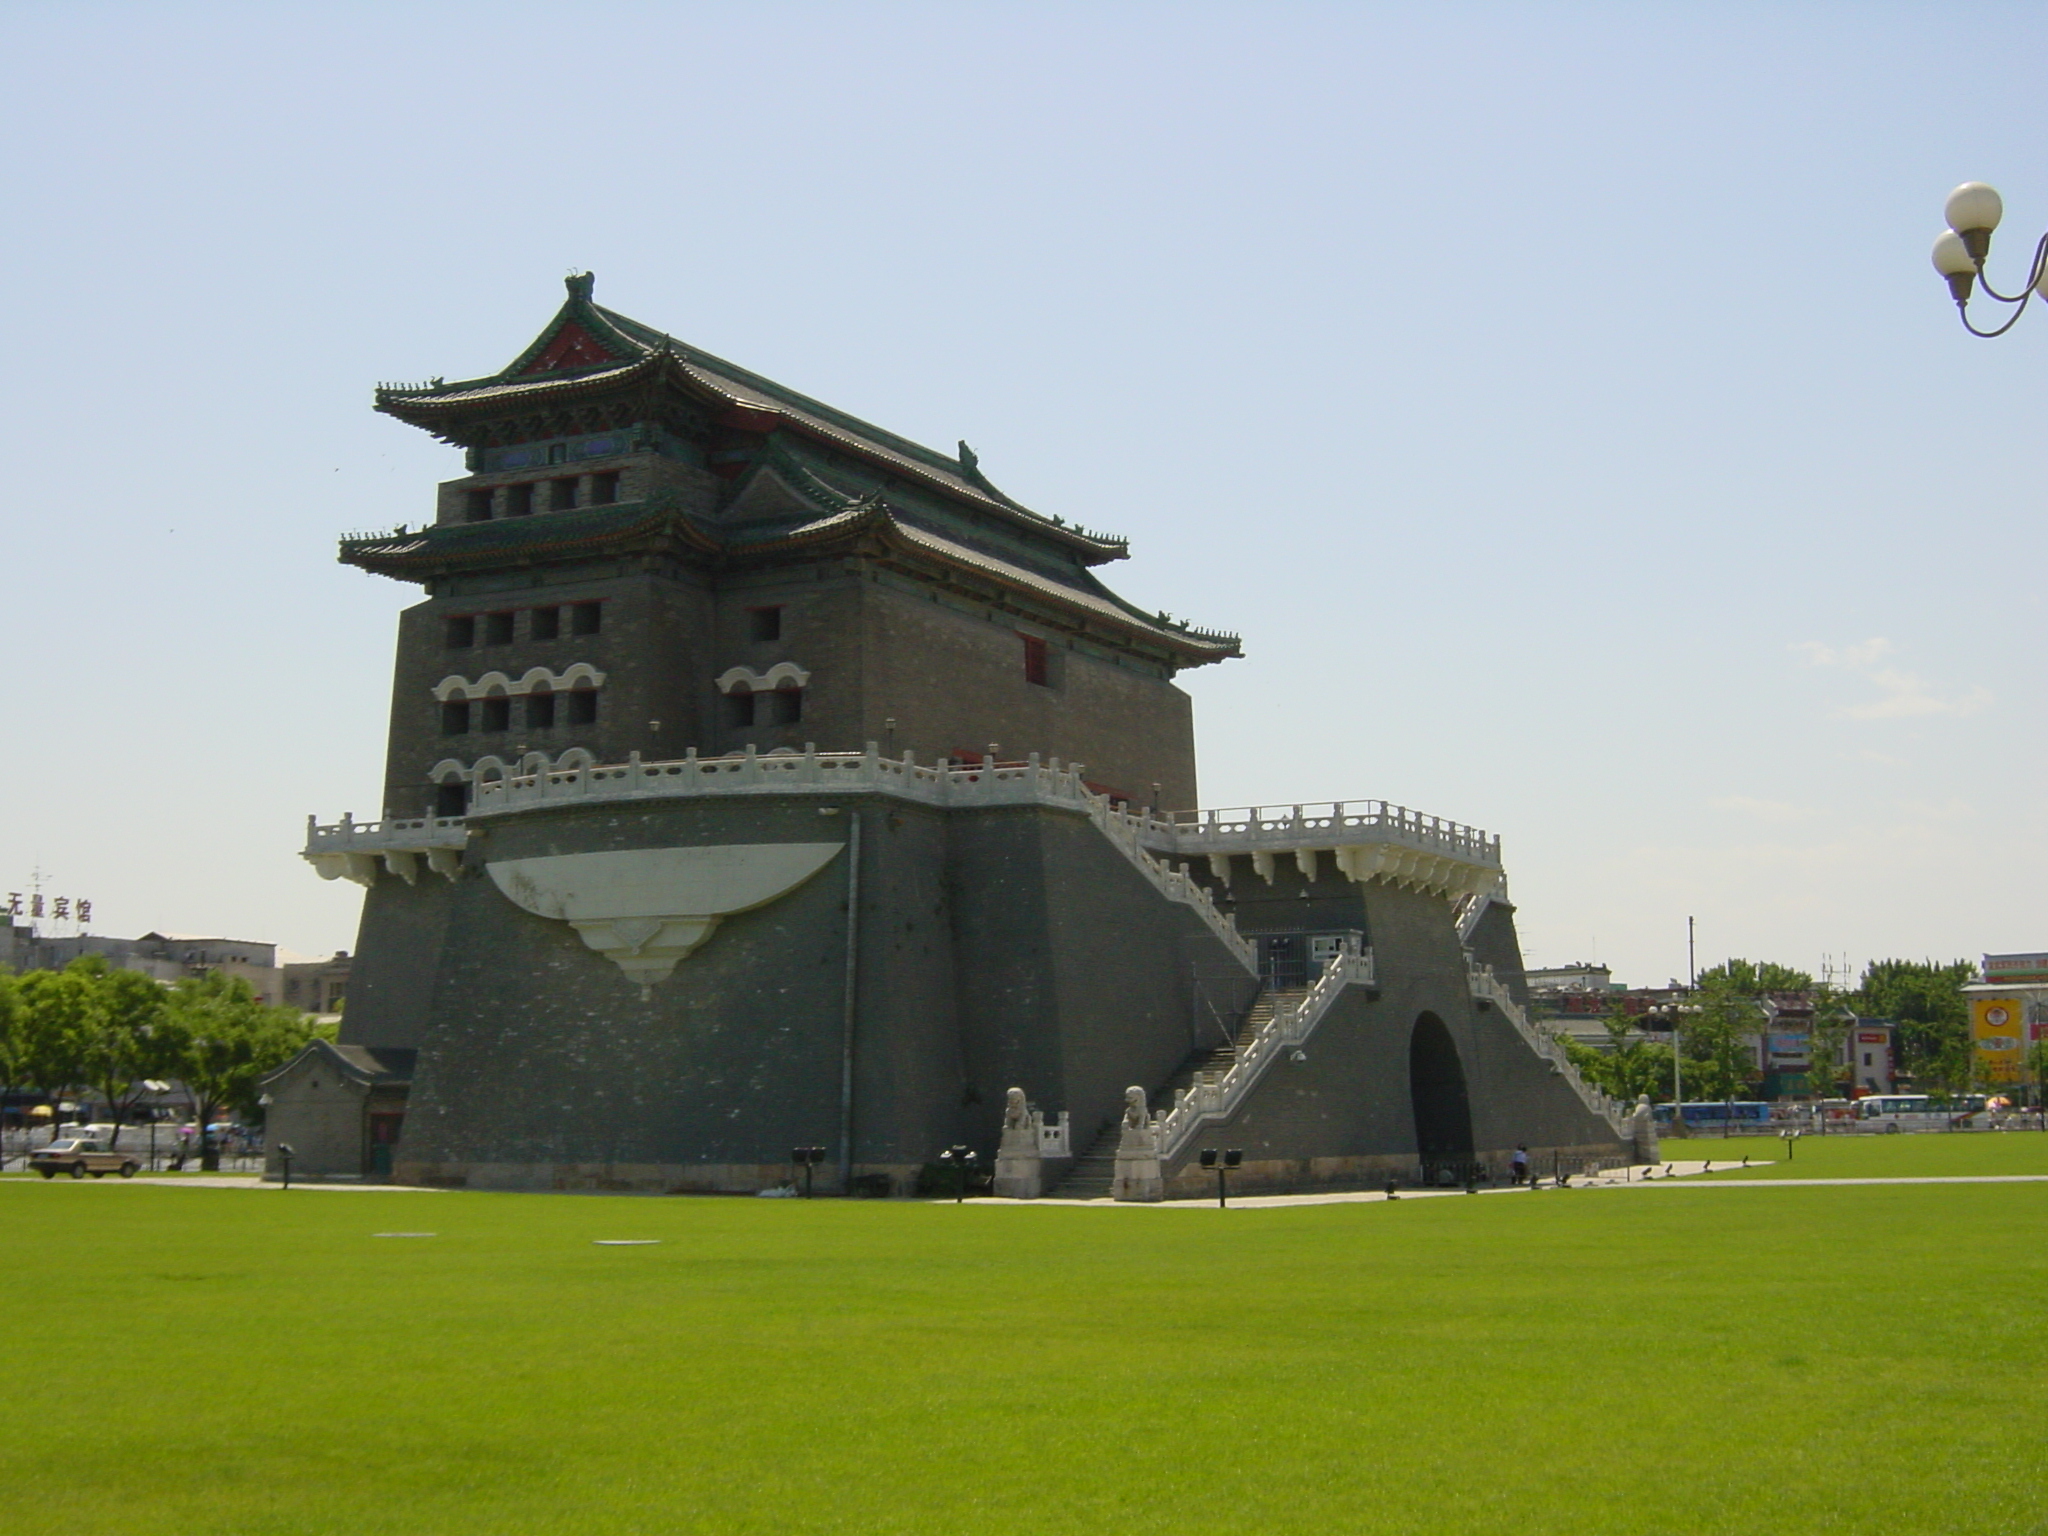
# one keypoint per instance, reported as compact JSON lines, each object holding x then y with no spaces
{"x":1519,"y":1165}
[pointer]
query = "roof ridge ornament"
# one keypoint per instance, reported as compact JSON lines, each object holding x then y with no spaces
{"x":579,"y":285}
{"x":969,"y":460}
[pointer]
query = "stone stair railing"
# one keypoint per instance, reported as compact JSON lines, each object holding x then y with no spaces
{"x":1218,"y":1098}
{"x":1471,"y":908}
{"x":1487,"y":988}
{"x":1125,"y":833}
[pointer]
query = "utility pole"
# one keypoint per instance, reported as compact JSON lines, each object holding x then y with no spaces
{"x":1677,"y":1071}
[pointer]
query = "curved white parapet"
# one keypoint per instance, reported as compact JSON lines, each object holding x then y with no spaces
{"x":534,"y":680}
{"x":782,"y":673}
{"x":647,"y":909}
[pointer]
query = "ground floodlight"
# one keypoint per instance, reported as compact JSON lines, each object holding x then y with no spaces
{"x":1208,"y":1157}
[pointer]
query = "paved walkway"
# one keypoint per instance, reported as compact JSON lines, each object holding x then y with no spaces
{"x":256,"y":1181}
{"x":1344,"y":1197}
{"x":1903,"y":1178}
{"x":1685,"y":1175}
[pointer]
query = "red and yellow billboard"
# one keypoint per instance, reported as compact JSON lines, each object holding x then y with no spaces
{"x":1998,"y":1038}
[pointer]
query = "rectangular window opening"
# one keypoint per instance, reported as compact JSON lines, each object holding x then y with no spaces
{"x":785,"y":706}
{"x":604,"y":488}
{"x":480,"y":505}
{"x":498,"y":628}
{"x":461,"y":632}
{"x":764,"y":623}
{"x":451,"y":799}
{"x":519,"y":499}
{"x":561,"y":495}
{"x":455,"y":717}
{"x":738,"y":708}
{"x":1037,"y":664}
{"x":498,"y":714}
{"x":540,"y":711}
{"x":583,"y":707}
{"x":547,"y":623}
{"x":586,"y":618}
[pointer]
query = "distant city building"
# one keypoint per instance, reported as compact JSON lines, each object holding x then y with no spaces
{"x":1571,"y":978}
{"x":316,"y":986}
{"x":735,"y":801}
{"x":2008,"y":1015}
{"x":1777,"y":1052}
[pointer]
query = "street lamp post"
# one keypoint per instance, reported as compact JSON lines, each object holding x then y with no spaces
{"x":156,"y":1089}
{"x":1973,"y":211}
{"x":807,"y":1158}
{"x":1667,"y":1015}
{"x":1220,"y":1163}
{"x":961,"y":1160}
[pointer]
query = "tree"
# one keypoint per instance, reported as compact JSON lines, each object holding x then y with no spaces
{"x":222,"y":1042}
{"x":2037,"y":1065}
{"x":1721,"y":1015}
{"x":1754,"y":978}
{"x":57,"y":1021}
{"x":13,"y":1042}
{"x":121,"y":1044}
{"x":89,"y":1025}
{"x":1831,"y":1022}
{"x":1925,"y":1000}
{"x":1633,"y":1066}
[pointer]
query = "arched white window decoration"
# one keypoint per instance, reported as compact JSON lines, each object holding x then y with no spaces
{"x":455,"y":686}
{"x":784,"y":674}
{"x":575,"y":757}
{"x":451,"y":771}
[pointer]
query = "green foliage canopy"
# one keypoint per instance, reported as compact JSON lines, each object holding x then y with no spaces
{"x":225,"y":1041}
{"x":1925,"y":999}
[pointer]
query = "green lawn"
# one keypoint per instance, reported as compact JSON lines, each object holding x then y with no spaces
{"x":1876,"y":1157}
{"x":1618,"y":1362}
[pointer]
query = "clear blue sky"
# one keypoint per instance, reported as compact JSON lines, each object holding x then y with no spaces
{"x":1558,"y":398}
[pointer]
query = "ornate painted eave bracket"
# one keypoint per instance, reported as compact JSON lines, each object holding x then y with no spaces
{"x":648,"y":909}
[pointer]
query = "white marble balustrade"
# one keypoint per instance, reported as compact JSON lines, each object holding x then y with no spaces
{"x":1218,"y":1098}
{"x":1489,"y":989}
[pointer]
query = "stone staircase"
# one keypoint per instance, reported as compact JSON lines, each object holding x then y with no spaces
{"x":1095,"y":1170}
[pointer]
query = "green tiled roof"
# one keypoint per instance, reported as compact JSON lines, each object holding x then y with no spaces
{"x":639,"y":351}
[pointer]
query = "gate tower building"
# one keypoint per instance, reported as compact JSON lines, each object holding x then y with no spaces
{"x":757,"y":778}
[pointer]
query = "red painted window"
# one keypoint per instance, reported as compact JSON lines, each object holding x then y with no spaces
{"x":1036,"y":667}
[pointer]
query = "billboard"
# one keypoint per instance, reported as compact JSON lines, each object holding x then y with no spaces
{"x":1997,"y":1038}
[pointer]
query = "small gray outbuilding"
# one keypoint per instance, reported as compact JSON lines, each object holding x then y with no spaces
{"x":339,"y":1108}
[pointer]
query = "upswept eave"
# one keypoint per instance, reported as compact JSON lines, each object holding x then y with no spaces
{"x":649,"y":357}
{"x":416,"y":554}
{"x":871,"y":522}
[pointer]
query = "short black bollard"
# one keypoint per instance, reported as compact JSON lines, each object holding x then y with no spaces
{"x":1392,"y":1192}
{"x":284,"y":1157}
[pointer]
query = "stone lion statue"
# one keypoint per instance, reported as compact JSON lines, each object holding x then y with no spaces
{"x":1136,"y":1115}
{"x":1016,"y":1112}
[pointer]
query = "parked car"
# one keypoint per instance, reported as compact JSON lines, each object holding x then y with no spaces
{"x":81,"y":1157}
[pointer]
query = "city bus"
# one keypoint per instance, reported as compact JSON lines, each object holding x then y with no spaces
{"x":1716,"y":1113}
{"x":1914,"y":1112}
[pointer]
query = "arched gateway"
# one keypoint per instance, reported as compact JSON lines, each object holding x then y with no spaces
{"x":1436,"y":1087}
